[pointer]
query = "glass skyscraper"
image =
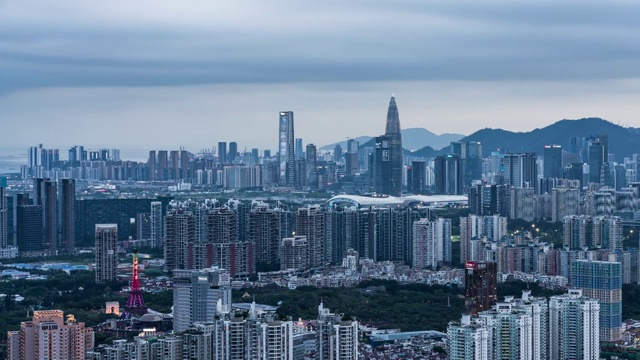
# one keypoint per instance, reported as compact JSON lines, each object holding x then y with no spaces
{"x":286,"y":154}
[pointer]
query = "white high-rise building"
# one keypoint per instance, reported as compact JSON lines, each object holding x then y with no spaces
{"x":337,"y":338}
{"x":511,"y":331}
{"x":468,"y":339}
{"x":574,"y":327}
{"x":156,"y":224}
{"x":431,"y":243}
{"x":493,"y":227}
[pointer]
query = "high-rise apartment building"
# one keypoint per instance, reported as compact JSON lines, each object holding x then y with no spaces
{"x":106,"y":252}
{"x":311,"y":222}
{"x":469,"y":339}
{"x":337,"y":338}
{"x":197,"y":294}
{"x":480,"y":286}
{"x":286,"y":156}
{"x":475,"y":227}
{"x":179,"y":232}
{"x":564,"y":202}
{"x":594,"y":232}
{"x":392,"y":131}
{"x":67,"y":215}
{"x":574,"y":327}
{"x":267,"y":227}
{"x":157,"y":226}
{"x":602,"y":281}
{"x":431,"y":243}
{"x":552,"y":161}
{"x":49,"y":336}
{"x":294,"y":253}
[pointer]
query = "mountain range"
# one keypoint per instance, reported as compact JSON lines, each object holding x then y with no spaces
{"x":623,"y":141}
{"x":412,"y":139}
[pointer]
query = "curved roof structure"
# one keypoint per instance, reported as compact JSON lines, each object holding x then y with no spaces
{"x":393,"y":201}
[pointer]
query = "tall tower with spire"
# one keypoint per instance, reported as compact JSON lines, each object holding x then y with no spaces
{"x":395,"y":148}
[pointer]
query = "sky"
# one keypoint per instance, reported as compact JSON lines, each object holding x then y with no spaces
{"x":141,"y":74}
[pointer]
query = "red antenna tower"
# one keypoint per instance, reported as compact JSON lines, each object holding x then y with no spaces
{"x":135,"y":304}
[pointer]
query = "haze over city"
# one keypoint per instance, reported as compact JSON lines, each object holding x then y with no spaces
{"x":138,"y":75}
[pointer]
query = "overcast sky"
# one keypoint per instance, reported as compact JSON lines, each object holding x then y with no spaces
{"x":160,"y":74}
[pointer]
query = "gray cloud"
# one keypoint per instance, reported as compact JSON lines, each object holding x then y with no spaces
{"x":86,"y":43}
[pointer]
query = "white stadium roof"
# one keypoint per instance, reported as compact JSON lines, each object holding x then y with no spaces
{"x":393,"y":201}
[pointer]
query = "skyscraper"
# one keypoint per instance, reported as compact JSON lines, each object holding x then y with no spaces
{"x":156,"y":224}
{"x":179,"y":232}
{"x":431,"y":243}
{"x":66,"y":215}
{"x":222,"y":152}
{"x":480,"y":286}
{"x":382,"y":166}
{"x":286,"y":149}
{"x":3,"y":212}
{"x":233,"y":152}
{"x":596,"y":159}
{"x":49,"y":201}
{"x":448,"y":175}
{"x":106,"y":252}
{"x":552,"y":161}
{"x":392,"y":131}
{"x":312,"y":223}
{"x":151,"y":165}
{"x":299,"y":149}
{"x":417,"y":177}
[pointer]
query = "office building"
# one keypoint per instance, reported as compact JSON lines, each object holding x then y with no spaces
{"x":381,"y":174}
{"x":552,"y":161}
{"x":233,"y":152}
{"x":337,"y":153}
{"x":286,"y":156}
{"x":417,"y":178}
{"x":299,"y":149}
{"x":162,"y":170}
{"x":47,"y":197}
{"x":222,"y":153}
{"x":106,"y":252}
{"x":49,"y":336}
{"x":151,"y":166}
{"x":294,"y":253}
{"x":29,"y":227}
{"x":520,"y":170}
{"x":392,"y":131}
{"x":431,"y":243}
{"x":67,"y":215}
{"x":448,"y":175}
{"x":596,"y":160}
{"x":352,"y":165}
{"x":574,"y":327}
{"x":480,"y":286}
{"x":469,"y":339}
{"x":197,"y":295}
{"x":602,"y":281}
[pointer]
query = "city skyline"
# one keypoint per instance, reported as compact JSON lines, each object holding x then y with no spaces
{"x":479,"y":65}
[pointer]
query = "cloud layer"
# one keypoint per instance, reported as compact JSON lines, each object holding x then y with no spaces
{"x":142,"y":63}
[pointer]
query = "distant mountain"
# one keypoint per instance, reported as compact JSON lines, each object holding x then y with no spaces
{"x":623,"y":142}
{"x":412,"y":139}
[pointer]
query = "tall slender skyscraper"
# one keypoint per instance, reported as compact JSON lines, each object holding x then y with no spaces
{"x":395,"y":148}
{"x":222,"y":152}
{"x":3,"y":212}
{"x":285,"y":148}
{"x":66,"y":215}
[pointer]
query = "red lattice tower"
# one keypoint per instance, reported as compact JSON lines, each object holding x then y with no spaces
{"x":135,"y":304}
